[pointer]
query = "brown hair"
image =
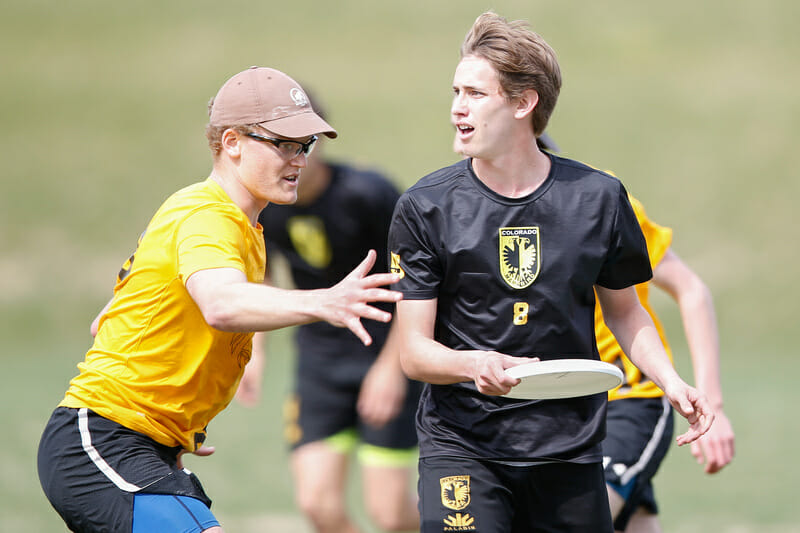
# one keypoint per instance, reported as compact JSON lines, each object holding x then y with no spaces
{"x":522,"y":59}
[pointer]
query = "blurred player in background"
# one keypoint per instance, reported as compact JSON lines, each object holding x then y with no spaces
{"x":499,"y":256}
{"x":346,"y":394}
{"x":171,"y":345}
{"x":639,"y":423}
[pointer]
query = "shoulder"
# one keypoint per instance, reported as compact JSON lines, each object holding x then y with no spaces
{"x":436,"y":186}
{"x":571,"y":170}
{"x":441,"y":178}
{"x":205,"y":201}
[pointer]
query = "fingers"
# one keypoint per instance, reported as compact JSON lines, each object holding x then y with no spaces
{"x":359,"y":331}
{"x":715,"y":448}
{"x":490,"y":375}
{"x":366,"y":265}
{"x":698,"y":425}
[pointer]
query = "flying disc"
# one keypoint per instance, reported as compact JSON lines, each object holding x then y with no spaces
{"x":563,"y":378}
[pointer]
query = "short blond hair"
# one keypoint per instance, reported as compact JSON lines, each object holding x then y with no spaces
{"x":522,"y":59}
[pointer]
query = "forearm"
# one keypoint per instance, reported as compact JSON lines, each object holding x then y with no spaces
{"x":643,"y":346}
{"x":700,"y":327}
{"x":425,"y":359}
{"x":636,"y":334}
{"x":255,"y":307}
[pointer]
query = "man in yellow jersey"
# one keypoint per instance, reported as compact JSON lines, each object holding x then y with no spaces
{"x":639,"y":422}
{"x":171,"y":345}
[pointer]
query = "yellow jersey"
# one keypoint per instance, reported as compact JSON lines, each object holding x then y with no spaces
{"x":635,"y":385}
{"x":156,"y":366}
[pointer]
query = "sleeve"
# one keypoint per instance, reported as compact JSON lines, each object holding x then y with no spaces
{"x":210,"y":238}
{"x":411,"y":254}
{"x":658,"y":238}
{"x":627,"y":262}
{"x":382,"y":209}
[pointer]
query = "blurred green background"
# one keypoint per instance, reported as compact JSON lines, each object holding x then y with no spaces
{"x":693,"y":104}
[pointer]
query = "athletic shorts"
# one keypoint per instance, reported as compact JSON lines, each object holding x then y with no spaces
{"x":101,"y":476}
{"x":322,"y":408}
{"x":464,"y":494}
{"x":638,"y":435}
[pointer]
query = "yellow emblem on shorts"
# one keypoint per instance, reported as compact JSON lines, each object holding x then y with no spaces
{"x":455,"y":492}
{"x":395,"y":267}
{"x":519,"y":255}
{"x":459,"y":522}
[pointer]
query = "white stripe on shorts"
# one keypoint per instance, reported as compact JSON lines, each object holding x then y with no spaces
{"x":105,"y":468}
{"x":652,"y":444}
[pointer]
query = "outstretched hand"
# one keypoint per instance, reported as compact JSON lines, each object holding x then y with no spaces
{"x":347,"y":302}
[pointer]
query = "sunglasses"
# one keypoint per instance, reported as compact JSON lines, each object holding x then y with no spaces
{"x":286,"y":147}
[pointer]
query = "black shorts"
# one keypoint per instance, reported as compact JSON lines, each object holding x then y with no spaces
{"x":638,"y":436}
{"x":463,"y":494}
{"x":321,"y":408}
{"x":92,"y":468}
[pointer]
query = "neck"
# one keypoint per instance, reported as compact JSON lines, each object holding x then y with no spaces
{"x":238,"y":194}
{"x":514,"y":174}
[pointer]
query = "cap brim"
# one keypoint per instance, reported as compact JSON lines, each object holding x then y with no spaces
{"x":300,"y":125}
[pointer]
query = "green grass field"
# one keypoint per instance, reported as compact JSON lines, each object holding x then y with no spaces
{"x":692,"y":104}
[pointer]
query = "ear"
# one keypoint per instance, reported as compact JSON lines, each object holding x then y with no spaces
{"x":526,"y":103}
{"x":231,"y":143}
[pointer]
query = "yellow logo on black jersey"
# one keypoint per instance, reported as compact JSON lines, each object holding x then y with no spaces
{"x":519,"y":255}
{"x":395,"y":267}
{"x":455,"y":492}
{"x":308,"y":237}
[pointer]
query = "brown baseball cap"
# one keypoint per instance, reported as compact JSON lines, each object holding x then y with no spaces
{"x":269,"y":98}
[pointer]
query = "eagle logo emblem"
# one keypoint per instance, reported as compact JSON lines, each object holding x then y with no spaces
{"x":519,"y":255}
{"x":455,"y":492}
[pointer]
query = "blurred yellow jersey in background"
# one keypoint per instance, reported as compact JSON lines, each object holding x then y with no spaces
{"x":635,"y":385}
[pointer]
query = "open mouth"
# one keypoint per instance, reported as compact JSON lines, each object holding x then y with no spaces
{"x":464,"y":129}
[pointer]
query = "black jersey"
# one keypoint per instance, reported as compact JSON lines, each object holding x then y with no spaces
{"x":515,"y":275}
{"x":324,"y":241}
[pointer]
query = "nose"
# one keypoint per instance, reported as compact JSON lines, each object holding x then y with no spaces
{"x":459,"y":105}
{"x":300,"y":160}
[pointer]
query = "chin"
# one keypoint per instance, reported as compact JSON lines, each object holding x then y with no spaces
{"x":285,"y":200}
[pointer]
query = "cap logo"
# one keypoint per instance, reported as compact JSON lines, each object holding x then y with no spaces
{"x":298,"y":97}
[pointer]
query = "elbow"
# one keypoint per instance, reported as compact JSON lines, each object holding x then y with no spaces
{"x":698,"y":294}
{"x":219,"y":316}
{"x":409,"y":367}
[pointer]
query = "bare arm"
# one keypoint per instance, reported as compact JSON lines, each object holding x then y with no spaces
{"x":230,"y":303}
{"x":634,"y":330}
{"x":715,"y":448}
{"x":425,"y":359}
{"x":384,"y":387}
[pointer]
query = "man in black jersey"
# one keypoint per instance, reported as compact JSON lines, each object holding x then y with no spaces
{"x":347,"y":395}
{"x":499,"y":255}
